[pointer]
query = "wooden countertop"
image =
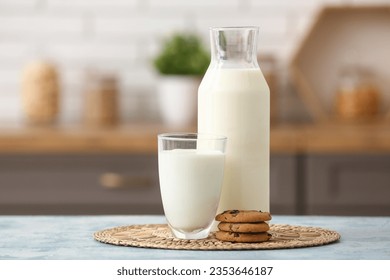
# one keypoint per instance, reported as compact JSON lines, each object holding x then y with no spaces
{"x":142,"y":138}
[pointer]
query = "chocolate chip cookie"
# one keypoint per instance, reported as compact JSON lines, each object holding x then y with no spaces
{"x":242,"y":237}
{"x":243,"y":216}
{"x":244,"y":227}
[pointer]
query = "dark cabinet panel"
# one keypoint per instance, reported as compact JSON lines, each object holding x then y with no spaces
{"x":283,"y":180}
{"x":128,"y":184}
{"x":348,"y":185}
{"x":72,"y":184}
{"x":104,"y":184}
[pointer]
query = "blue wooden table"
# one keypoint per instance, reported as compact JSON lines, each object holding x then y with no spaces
{"x":71,"y":238}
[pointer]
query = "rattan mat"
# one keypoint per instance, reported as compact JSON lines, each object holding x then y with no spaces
{"x":159,"y":236}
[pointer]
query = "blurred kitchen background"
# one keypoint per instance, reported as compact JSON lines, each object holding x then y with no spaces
{"x":80,"y":110}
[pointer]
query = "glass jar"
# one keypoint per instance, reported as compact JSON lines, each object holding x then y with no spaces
{"x":40,"y":92}
{"x":357,"y":96}
{"x":100,"y":103}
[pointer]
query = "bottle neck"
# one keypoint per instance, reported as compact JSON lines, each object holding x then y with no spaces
{"x":234,"y":47}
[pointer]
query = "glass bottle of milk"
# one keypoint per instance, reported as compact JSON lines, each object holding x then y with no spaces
{"x":234,"y":100}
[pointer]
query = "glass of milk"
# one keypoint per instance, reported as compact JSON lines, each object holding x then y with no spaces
{"x":191,"y":168}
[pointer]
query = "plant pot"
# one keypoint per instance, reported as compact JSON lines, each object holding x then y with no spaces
{"x":178,"y":99}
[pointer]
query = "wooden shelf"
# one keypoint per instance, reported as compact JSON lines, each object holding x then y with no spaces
{"x":142,"y":139}
{"x":136,"y":138}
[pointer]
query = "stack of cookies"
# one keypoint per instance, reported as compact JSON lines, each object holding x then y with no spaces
{"x":243,"y":226}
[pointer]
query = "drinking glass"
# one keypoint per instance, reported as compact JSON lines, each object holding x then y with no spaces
{"x":191,"y":168}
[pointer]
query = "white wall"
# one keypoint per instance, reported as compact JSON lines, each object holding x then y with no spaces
{"x":124,"y":35}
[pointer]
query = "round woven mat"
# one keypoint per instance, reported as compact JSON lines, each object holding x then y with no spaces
{"x":159,"y":236}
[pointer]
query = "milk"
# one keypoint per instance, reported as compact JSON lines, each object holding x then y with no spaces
{"x":190,"y":184}
{"x":236,"y":103}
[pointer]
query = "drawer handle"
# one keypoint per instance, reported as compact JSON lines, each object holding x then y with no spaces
{"x":115,"y":181}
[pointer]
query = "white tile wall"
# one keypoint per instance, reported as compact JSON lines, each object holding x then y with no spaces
{"x":92,"y":5}
{"x":124,"y":35}
{"x":39,"y":26}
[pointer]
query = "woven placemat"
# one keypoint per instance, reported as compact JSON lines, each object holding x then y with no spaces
{"x":159,"y":236}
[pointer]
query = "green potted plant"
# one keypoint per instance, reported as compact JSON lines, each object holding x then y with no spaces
{"x":181,"y":63}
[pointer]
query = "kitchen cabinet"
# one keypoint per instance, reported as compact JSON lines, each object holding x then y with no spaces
{"x":315,"y":169}
{"x":105,"y":184}
{"x":347,"y":185}
{"x":283,"y":184}
{"x":341,"y":36}
{"x":72,"y":184}
{"x":128,"y":184}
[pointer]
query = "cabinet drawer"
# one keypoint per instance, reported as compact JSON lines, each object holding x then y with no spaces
{"x":74,"y":184}
{"x":348,"y":185}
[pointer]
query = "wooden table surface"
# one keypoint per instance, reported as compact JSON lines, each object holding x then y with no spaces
{"x":142,"y":138}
